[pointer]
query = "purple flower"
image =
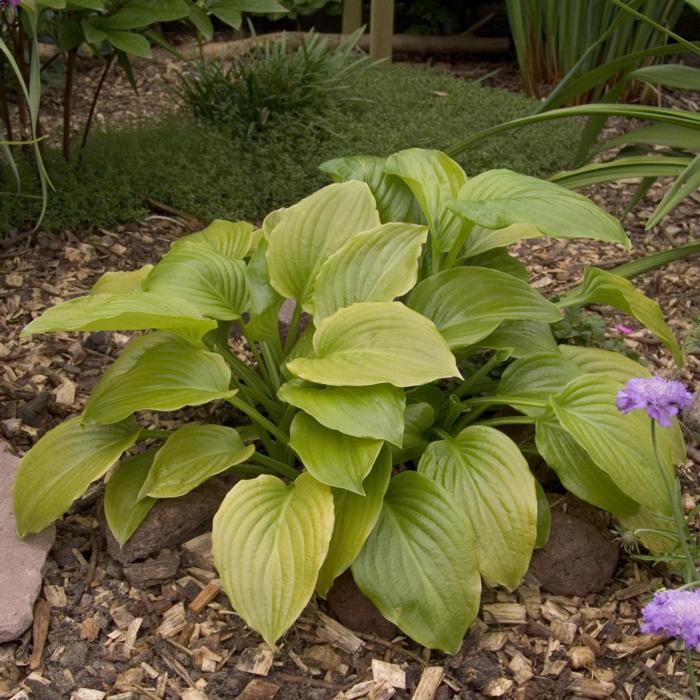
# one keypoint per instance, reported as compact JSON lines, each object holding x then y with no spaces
{"x":675,"y":614}
{"x":660,"y":398}
{"x":623,"y":330}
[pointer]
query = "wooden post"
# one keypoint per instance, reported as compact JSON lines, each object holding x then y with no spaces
{"x":352,"y":16}
{"x":381,"y":28}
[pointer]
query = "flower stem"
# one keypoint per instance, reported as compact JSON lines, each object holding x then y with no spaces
{"x":691,"y":674}
{"x":689,"y":573}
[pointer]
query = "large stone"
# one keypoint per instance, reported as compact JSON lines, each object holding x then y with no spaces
{"x":580,"y":557}
{"x":22,"y":559}
{"x":171,"y":521}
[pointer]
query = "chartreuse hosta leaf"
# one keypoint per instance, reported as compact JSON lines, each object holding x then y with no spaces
{"x":620,"y":445}
{"x":269,"y":541}
{"x":331,"y":457}
{"x":611,"y":364}
{"x":497,"y":199}
{"x":232,"y":239}
{"x":376,"y":343}
{"x":124,"y":509}
{"x":376,"y":265}
{"x":309,"y":232}
{"x":209,"y":280}
{"x":61,"y":466}
{"x":486,"y":297}
{"x":577,"y":472}
{"x":434,"y":178}
{"x":419,"y":565}
{"x":482,"y":240}
{"x":134,"y":311}
{"x":419,"y":418}
{"x":121,"y":282}
{"x":191,"y":455}
{"x":159,"y":372}
{"x":536,"y":378}
{"x":500,"y":259}
{"x":488,"y":476}
{"x":601,"y":287}
{"x":364,"y":412}
{"x":264,"y":302}
{"x":394,"y":200}
{"x":522,"y":337}
{"x":355,"y":517}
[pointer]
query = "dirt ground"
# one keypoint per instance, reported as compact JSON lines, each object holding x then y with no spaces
{"x":162,"y":629}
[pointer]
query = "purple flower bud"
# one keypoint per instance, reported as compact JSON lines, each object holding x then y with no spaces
{"x":623,"y":330}
{"x":675,"y":614}
{"x":660,"y":398}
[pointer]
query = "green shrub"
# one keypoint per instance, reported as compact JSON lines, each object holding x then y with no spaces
{"x":212,"y":175}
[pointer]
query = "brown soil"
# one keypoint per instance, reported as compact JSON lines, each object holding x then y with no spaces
{"x":525,"y":644}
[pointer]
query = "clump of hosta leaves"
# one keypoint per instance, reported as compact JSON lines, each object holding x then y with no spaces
{"x":373,"y":437}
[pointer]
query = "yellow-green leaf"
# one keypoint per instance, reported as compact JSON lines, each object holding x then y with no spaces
{"x":490,"y":479}
{"x":61,"y":466}
{"x":331,"y":457}
{"x":232,"y":239}
{"x":191,"y":455}
{"x":269,"y":541}
{"x":121,"y":282}
{"x":376,"y":343}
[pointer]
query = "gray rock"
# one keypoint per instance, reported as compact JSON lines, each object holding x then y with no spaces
{"x":171,"y":522}
{"x":22,"y":560}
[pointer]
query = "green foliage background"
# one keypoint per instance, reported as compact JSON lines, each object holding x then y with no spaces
{"x":209,"y":174}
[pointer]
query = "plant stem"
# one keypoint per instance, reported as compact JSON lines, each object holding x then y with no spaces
{"x":691,"y":674}
{"x":258,"y":419}
{"x":68,"y":102}
{"x":502,"y":401}
{"x":275,"y":465}
{"x":468,"y":383}
{"x":292,"y":329}
{"x":149,"y":434}
{"x":95,"y":97}
{"x":509,"y":420}
{"x":673,"y":492}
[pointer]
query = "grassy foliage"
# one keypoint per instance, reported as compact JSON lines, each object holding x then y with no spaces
{"x":210,"y":174}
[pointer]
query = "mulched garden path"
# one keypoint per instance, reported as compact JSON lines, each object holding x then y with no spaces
{"x":162,"y":629}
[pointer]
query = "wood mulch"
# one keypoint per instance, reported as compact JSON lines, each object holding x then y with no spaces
{"x":163,"y":629}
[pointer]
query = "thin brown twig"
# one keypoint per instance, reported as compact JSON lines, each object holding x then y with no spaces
{"x":95,"y":97}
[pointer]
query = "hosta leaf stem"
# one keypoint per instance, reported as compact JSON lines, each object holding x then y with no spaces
{"x":258,"y":418}
{"x":274,"y":464}
{"x":509,"y":420}
{"x":495,"y":359}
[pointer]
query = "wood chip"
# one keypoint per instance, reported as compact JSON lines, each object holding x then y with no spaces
{"x":498,"y":687}
{"x":56,"y":596}
{"x":521,"y":668}
{"x":198,"y":551}
{"x":153,"y":571}
{"x":14,"y":280}
{"x":429,"y":683}
{"x":505,"y":613}
{"x":121,"y":616}
{"x":256,"y":660}
{"x":89,"y":629}
{"x":259,"y":690}
{"x":591,"y":688}
{"x":205,"y":596}
{"x":564,"y":631}
{"x":174,"y":621}
{"x":359,"y":690}
{"x":322,"y":656}
{"x":337,"y":635}
{"x":131,"y":634}
{"x":635,"y":645}
{"x":65,"y":393}
{"x":87,"y":694}
{"x":40,"y":630}
{"x":393,"y":674}
{"x":492,"y":641}
{"x":581,"y":657}
{"x":381,"y":691}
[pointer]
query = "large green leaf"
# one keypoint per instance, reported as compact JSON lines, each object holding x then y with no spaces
{"x":620,"y":445}
{"x":491,"y":480}
{"x":191,"y":455}
{"x":418,"y":420}
{"x":500,"y":259}
{"x":376,"y":265}
{"x":355,"y":517}
{"x":606,"y":363}
{"x":230,"y":238}
{"x":670,"y":75}
{"x":434,"y":179}
{"x":468,"y":303}
{"x":657,"y":134}
{"x":269,"y":541}
{"x":500,"y":198}
{"x":309,"y":232}
{"x":137,"y":14}
{"x":161,"y":373}
{"x":211,"y":281}
{"x":121,"y":312}
{"x":363,"y":412}
{"x":483,"y":239}
{"x":331,"y":457}
{"x":577,"y":472}
{"x":265,"y":302}
{"x":121,"y":282}
{"x":537,"y":376}
{"x":376,"y":343}
{"x":132,"y":43}
{"x":61,"y":466}
{"x":394,"y":200}
{"x":601,"y":287}
{"x":419,"y":565}
{"x":124,"y":510}
{"x":523,"y":337}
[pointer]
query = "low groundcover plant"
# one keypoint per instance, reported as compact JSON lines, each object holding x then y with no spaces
{"x":374,"y":437}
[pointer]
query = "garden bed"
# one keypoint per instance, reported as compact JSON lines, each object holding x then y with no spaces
{"x":160,"y":628}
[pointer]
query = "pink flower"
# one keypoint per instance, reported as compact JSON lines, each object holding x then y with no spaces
{"x":623,"y":330}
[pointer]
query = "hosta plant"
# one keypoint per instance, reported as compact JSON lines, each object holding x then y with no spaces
{"x":376,"y":438}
